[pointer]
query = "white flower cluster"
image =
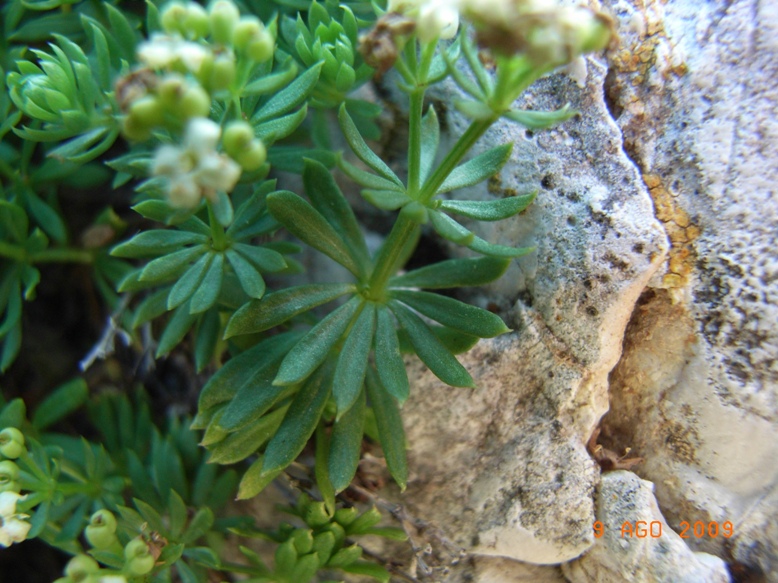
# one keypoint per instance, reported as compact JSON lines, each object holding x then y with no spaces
{"x":13,"y":527}
{"x":435,"y":19}
{"x":195,"y":169}
{"x":164,"y":51}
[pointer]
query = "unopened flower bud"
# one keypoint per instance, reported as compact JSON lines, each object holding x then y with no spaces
{"x":172,"y":18}
{"x":170,"y":90}
{"x":195,"y":22}
{"x":194,"y":102}
{"x":247,"y":27}
{"x":223,"y":16}
{"x":147,"y":111}
{"x":138,"y":556}
{"x":9,"y":477}
{"x":223,"y":73}
{"x":261,"y":46}
{"x":11,"y":442}
{"x":101,"y":530}
{"x":252,"y":157}
{"x":134,"y":131}
{"x":437,"y":19}
{"x":80,"y":567}
{"x":238,"y":135}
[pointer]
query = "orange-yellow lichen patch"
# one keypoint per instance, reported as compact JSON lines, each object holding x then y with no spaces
{"x":681,"y":231}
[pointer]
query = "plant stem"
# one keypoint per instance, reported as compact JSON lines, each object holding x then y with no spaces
{"x":386,"y":262}
{"x":217,"y":231}
{"x":464,"y":143}
{"x":62,"y":255}
{"x":414,"y":142}
{"x":13,"y":252}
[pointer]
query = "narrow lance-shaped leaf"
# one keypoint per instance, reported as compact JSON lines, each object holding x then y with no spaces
{"x":164,"y":267}
{"x":478,"y":169}
{"x":453,"y":313}
{"x":205,"y":296}
{"x":300,"y":422}
{"x":367,"y":179}
{"x":430,"y":137}
{"x":388,"y":359}
{"x":239,"y":445}
{"x":290,"y":97}
{"x":449,"y":229}
{"x":352,"y":362}
{"x":481,"y":246}
{"x":308,"y":225}
{"x":189,"y":282}
{"x":540,"y":120}
{"x":255,"y":480}
{"x":156,"y":242}
{"x":327,"y":198}
{"x":431,"y":351}
{"x":489,"y":210}
{"x":362,"y":150}
{"x":346,"y":444}
{"x":388,"y":200}
{"x":314,"y":347}
{"x":278,"y":307}
{"x":390,"y":428}
{"x":250,"y":279}
{"x":175,"y":330}
{"x":454,"y":273}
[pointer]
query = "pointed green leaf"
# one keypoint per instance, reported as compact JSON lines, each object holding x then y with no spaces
{"x":241,"y":444}
{"x":367,"y":179}
{"x":321,"y":471}
{"x":346,"y":444}
{"x":189,"y":282}
{"x":264,"y":259}
{"x":151,"y":307}
{"x":481,"y":246}
{"x":255,"y":397}
{"x":388,"y":200}
{"x":277,"y":129}
{"x":250,"y":279}
{"x":362,"y":150}
{"x":255,"y":480}
{"x":454,"y":273}
{"x":176,"y":329}
{"x":431,"y":351}
{"x":449,"y":229}
{"x":205,"y":295}
{"x":290,"y":97}
{"x":206,"y":339}
{"x":314,"y":347}
{"x":48,"y":218}
{"x":352,"y":362}
{"x":430,"y":137}
{"x":390,"y":429}
{"x":245,"y":369}
{"x":64,"y":400}
{"x":489,"y":210}
{"x":270,"y":84}
{"x":122,"y":32}
{"x":540,"y":120}
{"x":478,"y":169}
{"x":453,"y":313}
{"x":168,"y":266}
{"x":308,"y":225}
{"x":475,"y":110}
{"x":326,"y":197}
{"x":156,"y":242}
{"x":276,"y":308}
{"x":300,"y":422}
{"x":388,"y":359}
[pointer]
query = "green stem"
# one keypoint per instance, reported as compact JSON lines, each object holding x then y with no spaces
{"x":217,"y":231}
{"x":14,"y":252}
{"x":462,"y":147}
{"x":386,"y":262}
{"x":414,"y":142}
{"x":62,"y":255}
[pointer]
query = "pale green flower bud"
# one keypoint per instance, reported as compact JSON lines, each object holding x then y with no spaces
{"x":195,"y":102}
{"x":80,"y":567}
{"x":260,"y":47}
{"x":223,"y":16}
{"x":172,"y":18}
{"x":252,"y":157}
{"x":238,"y":135}
{"x":11,"y":442}
{"x":247,"y":27}
{"x":9,"y":477}
{"x":170,"y":90}
{"x":100,"y":532}
{"x":223,"y":72}
{"x":139,"y":559}
{"x":134,"y":131}
{"x":195,"y":22}
{"x":147,"y":111}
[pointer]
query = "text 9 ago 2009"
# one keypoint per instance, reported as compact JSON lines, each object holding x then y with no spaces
{"x":653,"y":529}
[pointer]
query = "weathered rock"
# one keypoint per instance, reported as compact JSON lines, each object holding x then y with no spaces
{"x":636,"y":544}
{"x":504,"y":468}
{"x":696,"y":392}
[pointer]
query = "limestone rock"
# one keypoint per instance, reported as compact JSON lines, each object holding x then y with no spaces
{"x":645,"y":551}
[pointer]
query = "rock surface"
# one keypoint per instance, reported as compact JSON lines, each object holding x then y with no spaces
{"x":657,"y":207}
{"x":637,"y":545}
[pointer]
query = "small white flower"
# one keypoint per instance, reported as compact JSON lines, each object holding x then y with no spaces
{"x":13,"y":526}
{"x":437,"y":19}
{"x":196,"y":169}
{"x":164,"y":51}
{"x":112,"y":579}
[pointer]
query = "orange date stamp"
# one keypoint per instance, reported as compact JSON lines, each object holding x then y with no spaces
{"x":653,"y":529}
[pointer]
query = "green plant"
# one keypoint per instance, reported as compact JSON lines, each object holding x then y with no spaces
{"x":210,"y":99}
